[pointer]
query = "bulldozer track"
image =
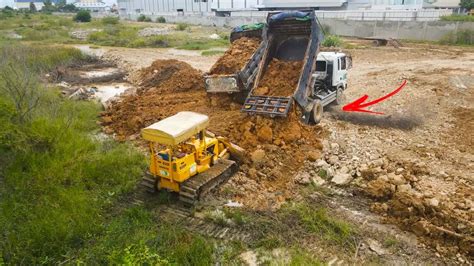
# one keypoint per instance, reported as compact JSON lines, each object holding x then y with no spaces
{"x":207,"y":228}
{"x":194,"y":188}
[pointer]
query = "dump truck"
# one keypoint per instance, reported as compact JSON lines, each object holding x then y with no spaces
{"x":186,"y":158}
{"x":290,"y":36}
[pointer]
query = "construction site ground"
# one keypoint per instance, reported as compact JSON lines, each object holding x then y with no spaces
{"x":403,"y":179}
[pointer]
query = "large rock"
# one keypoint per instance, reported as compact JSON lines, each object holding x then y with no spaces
{"x":380,"y":188}
{"x":303,"y":178}
{"x":341,"y":178}
{"x":313,"y":155}
{"x":265,"y":134}
{"x":258,"y":156}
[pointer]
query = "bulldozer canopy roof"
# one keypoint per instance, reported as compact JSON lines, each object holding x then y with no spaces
{"x":176,"y":129}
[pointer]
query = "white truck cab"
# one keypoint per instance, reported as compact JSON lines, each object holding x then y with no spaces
{"x":332,"y":67}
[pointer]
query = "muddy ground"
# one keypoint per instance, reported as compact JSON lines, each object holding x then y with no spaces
{"x":412,"y":167}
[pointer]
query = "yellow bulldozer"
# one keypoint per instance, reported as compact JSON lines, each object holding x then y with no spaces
{"x":186,"y":158}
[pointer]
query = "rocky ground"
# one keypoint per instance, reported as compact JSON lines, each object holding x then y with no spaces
{"x":407,"y":174}
{"x":416,"y":161}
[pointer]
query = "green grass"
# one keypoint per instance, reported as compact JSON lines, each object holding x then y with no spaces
{"x":319,"y":221}
{"x":202,"y":44}
{"x":461,"y":37}
{"x":456,"y":17}
{"x":57,"y":179}
{"x":332,"y":41}
{"x":51,"y":29}
{"x":181,"y":26}
{"x":300,"y":257}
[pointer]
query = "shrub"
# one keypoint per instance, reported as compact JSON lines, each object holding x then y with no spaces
{"x":457,"y":17}
{"x":82,"y":16}
{"x":160,"y":20}
{"x":147,"y":19}
{"x":110,"y":20}
{"x":181,"y":26}
{"x":141,"y":18}
{"x":461,"y":37}
{"x":332,"y":41}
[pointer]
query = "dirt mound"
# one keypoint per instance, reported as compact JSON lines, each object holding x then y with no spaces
{"x":171,"y":75}
{"x":235,"y":58}
{"x":275,"y":147}
{"x":280,"y":79}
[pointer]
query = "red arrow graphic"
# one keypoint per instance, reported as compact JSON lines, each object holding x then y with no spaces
{"x":357,"y":105}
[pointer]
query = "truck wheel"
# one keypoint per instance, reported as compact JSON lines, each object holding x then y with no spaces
{"x":317,"y":112}
{"x":340,"y":98}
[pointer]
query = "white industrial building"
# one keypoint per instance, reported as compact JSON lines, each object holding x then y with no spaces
{"x":226,"y":7}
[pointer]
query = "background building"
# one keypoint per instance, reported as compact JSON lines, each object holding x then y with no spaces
{"x":226,"y":7}
{"x":92,"y":5}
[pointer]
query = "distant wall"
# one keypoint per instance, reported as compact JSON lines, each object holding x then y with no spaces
{"x":410,"y":30}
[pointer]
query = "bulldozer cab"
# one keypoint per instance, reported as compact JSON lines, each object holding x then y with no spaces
{"x":179,"y":148}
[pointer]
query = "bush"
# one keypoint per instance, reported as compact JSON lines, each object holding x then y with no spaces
{"x":110,"y":20}
{"x":461,"y":37}
{"x":456,"y":17}
{"x":141,"y":18}
{"x":160,"y":20}
{"x":147,"y":19}
{"x":332,"y":41}
{"x":181,"y":26}
{"x":82,"y":16}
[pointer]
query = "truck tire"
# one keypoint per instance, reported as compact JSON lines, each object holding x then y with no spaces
{"x":316,"y":112}
{"x":340,"y":98}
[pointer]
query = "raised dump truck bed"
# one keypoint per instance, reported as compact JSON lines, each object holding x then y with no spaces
{"x":243,"y":80}
{"x":290,"y":36}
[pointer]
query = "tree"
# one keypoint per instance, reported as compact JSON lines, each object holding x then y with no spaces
{"x":69,"y":8}
{"x":82,"y":16}
{"x":32,"y":7}
{"x":48,"y":6}
{"x":467,"y":4}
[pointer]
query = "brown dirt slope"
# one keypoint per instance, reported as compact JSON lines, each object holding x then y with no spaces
{"x":235,"y":58}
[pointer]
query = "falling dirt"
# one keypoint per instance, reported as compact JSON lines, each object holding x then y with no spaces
{"x":280,"y":78}
{"x":273,"y":146}
{"x":235,"y":58}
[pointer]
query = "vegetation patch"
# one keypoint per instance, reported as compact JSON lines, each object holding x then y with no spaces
{"x":56,"y":177}
{"x":332,"y":41}
{"x":460,"y":37}
{"x":457,"y":17}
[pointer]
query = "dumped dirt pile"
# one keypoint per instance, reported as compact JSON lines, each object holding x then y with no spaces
{"x":171,"y":75}
{"x":276,"y":148}
{"x":235,"y":58}
{"x":280,"y":79}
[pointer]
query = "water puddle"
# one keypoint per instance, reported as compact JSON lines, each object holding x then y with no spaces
{"x":105,"y":92}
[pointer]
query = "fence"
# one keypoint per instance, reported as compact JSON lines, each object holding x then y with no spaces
{"x":386,"y":15}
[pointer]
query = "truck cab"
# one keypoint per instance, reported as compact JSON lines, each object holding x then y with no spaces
{"x":332,"y":67}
